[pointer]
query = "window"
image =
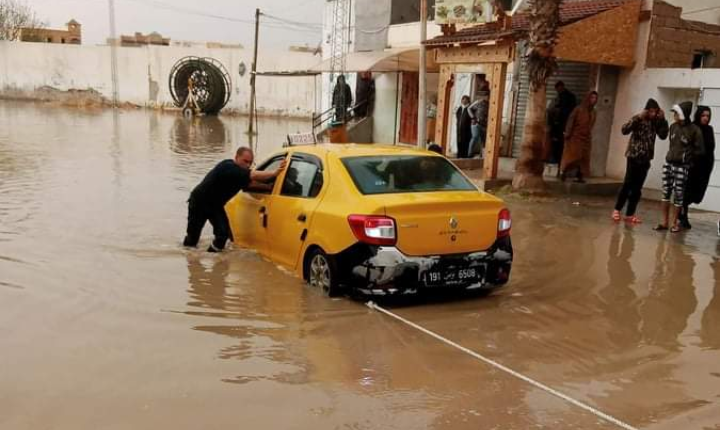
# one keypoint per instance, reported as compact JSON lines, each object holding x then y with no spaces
{"x":405,"y":174}
{"x":701,"y":60}
{"x":270,"y":164}
{"x":302,"y":179}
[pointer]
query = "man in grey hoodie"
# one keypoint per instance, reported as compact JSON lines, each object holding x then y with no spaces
{"x":686,"y":143}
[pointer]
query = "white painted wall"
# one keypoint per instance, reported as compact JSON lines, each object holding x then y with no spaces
{"x":385,"y":123}
{"x":403,"y":35}
{"x":143,"y":74}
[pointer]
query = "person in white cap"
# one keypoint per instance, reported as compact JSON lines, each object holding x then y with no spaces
{"x":686,"y":143}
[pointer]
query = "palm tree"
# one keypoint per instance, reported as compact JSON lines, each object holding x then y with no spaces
{"x":544,"y":25}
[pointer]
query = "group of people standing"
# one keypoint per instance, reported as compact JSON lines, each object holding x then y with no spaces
{"x":342,"y":98}
{"x":688,"y":163}
{"x":569,"y":137}
{"x":472,"y":122}
{"x":687,"y":168}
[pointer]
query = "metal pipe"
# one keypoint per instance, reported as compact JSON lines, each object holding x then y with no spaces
{"x":252,"y":76}
{"x":113,"y":53}
{"x":422,"y":80}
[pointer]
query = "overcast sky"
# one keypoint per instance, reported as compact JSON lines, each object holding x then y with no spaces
{"x":182,"y":19}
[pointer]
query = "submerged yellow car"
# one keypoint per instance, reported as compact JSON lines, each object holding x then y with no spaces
{"x":376,"y":219}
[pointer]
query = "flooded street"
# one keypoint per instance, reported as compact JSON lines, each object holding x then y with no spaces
{"x":108,"y":323}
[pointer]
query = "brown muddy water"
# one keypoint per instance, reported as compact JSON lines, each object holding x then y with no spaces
{"x":107,"y":323}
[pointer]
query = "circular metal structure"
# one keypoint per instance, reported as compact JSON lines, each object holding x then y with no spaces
{"x":210,"y":83}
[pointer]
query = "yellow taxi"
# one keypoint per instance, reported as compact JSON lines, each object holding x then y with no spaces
{"x":375,"y":219}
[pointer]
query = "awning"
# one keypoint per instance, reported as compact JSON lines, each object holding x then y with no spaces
{"x":391,"y":60}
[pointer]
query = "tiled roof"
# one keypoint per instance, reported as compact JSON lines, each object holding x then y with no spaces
{"x":569,"y":12}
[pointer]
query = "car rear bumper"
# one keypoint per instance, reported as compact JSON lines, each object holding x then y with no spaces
{"x":387,"y":271}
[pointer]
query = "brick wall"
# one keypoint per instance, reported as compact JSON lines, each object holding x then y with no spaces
{"x":674,"y":41}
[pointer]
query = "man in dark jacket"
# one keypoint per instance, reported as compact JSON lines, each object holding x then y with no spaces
{"x":365,"y":95}
{"x":342,"y":99}
{"x":464,"y":127}
{"x":207,"y":200}
{"x":643,"y":129}
{"x":701,"y":167}
{"x":558,"y":115}
{"x":686,"y":144}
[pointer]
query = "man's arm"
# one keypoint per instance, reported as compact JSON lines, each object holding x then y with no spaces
{"x":259,"y":187}
{"x":264,"y":176}
{"x":662,"y":127}
{"x":629,"y":127}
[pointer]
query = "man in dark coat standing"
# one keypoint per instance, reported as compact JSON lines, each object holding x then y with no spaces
{"x":365,"y":95}
{"x":463,"y":119}
{"x":558,"y":115}
{"x":342,"y":99}
{"x":701,"y":167}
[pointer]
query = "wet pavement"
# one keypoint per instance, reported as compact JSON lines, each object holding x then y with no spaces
{"x":107,"y":323}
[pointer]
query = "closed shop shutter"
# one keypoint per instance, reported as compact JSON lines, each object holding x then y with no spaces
{"x":577,"y":79}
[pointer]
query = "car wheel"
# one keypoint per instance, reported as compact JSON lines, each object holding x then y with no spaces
{"x":322,"y":273}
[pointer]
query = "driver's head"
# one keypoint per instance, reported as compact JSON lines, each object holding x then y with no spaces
{"x":244,"y":157}
{"x":292,"y":174}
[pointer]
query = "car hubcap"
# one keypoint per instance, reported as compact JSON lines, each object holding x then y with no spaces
{"x":320,"y":273}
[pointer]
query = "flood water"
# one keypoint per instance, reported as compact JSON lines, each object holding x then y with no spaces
{"x":107,"y":323}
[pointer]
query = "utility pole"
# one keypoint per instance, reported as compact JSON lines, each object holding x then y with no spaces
{"x":422,"y":80}
{"x":251,"y":130}
{"x":113,"y":53}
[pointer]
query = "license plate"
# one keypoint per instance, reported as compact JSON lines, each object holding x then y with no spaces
{"x":465,"y":276}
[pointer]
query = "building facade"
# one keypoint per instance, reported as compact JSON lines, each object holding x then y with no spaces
{"x":71,"y":36}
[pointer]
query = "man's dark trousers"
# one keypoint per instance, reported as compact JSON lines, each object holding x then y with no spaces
{"x":198,"y":214}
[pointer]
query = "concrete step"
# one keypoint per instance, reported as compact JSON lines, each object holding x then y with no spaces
{"x":468,"y":163}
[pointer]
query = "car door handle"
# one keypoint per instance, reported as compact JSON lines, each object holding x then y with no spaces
{"x":302,"y":218}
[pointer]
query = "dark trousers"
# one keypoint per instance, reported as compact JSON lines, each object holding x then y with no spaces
{"x":631,"y":191}
{"x":463,"y":148}
{"x":198,"y":214}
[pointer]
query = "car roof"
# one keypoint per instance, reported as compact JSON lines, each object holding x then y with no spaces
{"x":359,"y":149}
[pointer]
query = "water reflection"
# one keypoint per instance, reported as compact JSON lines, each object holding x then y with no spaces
{"x":671,"y":299}
{"x":199,"y":135}
{"x":619,"y":298}
{"x":710,"y":330}
{"x":261,"y":329}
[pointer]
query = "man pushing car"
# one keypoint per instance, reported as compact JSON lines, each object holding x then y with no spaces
{"x":207,"y":200}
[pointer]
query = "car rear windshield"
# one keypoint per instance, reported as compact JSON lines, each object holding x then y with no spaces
{"x":405,"y":173}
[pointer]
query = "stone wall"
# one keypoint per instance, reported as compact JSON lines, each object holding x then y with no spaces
{"x":674,"y":41}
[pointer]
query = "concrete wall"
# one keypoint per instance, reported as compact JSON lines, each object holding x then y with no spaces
{"x":403,"y":35}
{"x":674,"y":41}
{"x":386,"y":115}
{"x":143,"y":74}
{"x":607,"y":89}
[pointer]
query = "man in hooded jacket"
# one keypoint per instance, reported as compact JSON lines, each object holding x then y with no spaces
{"x":686,"y":144}
{"x":643,"y":129}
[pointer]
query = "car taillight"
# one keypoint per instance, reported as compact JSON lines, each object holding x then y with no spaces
{"x":373,"y":230}
{"x":504,"y":223}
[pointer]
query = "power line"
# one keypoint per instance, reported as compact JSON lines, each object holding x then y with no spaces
{"x":317,"y":25}
{"x":701,"y":10}
{"x":287,"y":26}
